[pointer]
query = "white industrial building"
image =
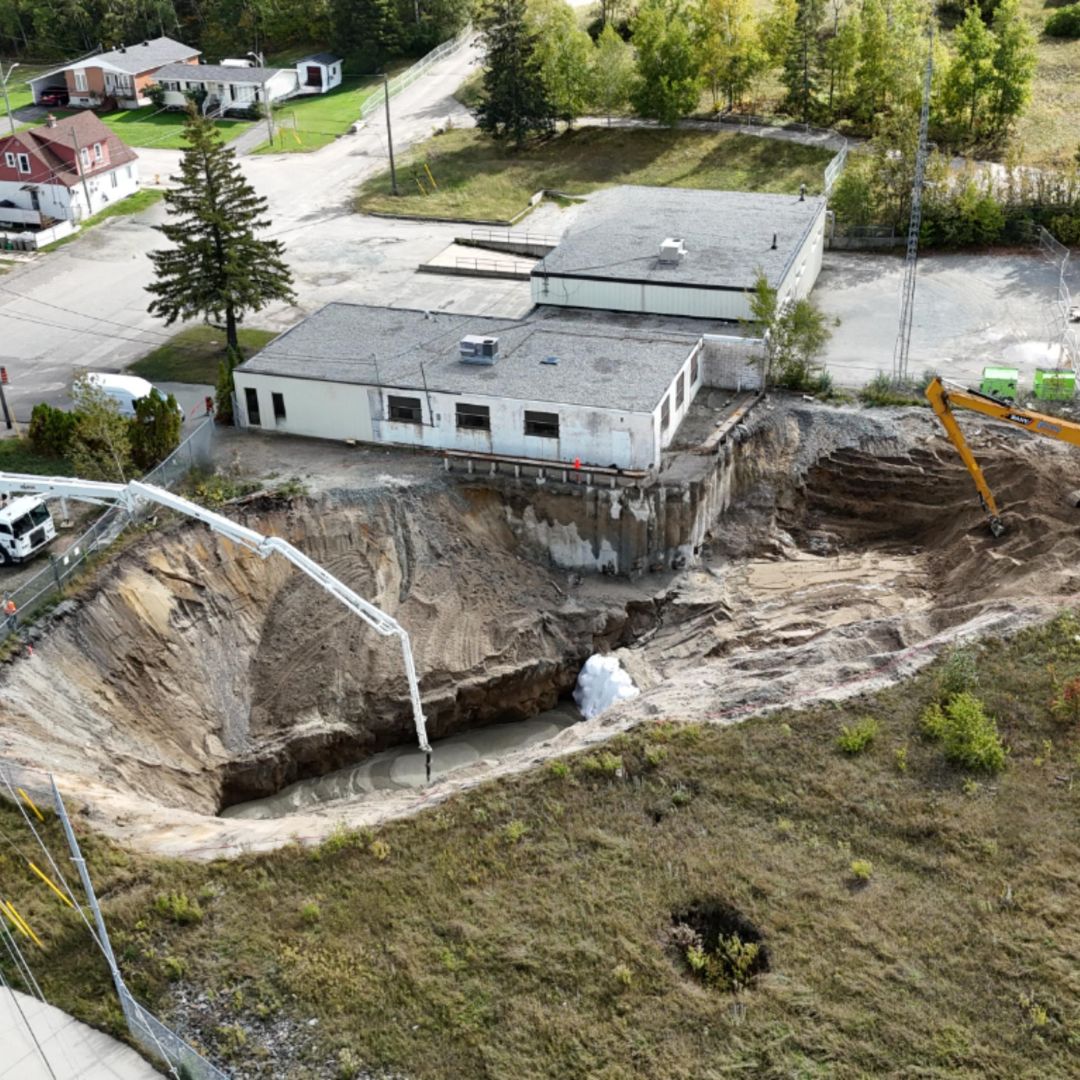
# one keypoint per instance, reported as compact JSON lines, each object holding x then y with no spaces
{"x":677,"y":251}
{"x":556,"y":386}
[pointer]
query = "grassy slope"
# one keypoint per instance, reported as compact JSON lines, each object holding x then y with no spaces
{"x":479,"y":179}
{"x":193,"y":354}
{"x":518,"y":930}
{"x":307,"y":123}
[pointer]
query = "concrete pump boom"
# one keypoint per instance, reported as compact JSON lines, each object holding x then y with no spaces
{"x":945,"y":399}
{"x":128,"y":496}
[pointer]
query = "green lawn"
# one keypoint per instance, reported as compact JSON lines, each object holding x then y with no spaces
{"x":522,"y":929}
{"x":16,"y":455}
{"x":146,"y":127}
{"x":479,"y":179}
{"x":304,"y":124}
{"x":193,"y":355}
{"x":19,"y":87}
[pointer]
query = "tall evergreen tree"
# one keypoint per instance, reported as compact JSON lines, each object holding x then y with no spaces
{"x":366,"y":31}
{"x":217,"y":267}
{"x":515,"y":102}
{"x":803,"y":71}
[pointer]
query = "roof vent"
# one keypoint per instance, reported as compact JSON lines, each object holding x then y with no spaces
{"x":552,"y":360}
{"x":476,"y":349}
{"x":672,"y":250}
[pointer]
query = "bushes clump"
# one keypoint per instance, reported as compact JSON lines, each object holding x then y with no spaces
{"x":967,"y":735}
{"x":1065,"y":22}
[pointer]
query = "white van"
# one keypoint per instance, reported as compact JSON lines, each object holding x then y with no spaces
{"x":125,"y":390}
{"x":26,"y":526}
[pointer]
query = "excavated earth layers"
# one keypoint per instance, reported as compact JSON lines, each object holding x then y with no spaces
{"x":196,"y":675}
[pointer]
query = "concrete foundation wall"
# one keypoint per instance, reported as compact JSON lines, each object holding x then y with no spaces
{"x":733,"y":363}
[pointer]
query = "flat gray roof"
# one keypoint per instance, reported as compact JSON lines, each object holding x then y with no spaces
{"x":626,"y":363}
{"x":218,"y":73}
{"x":728,"y":236}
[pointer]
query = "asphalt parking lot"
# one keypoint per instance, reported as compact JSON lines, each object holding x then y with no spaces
{"x":970,"y":311}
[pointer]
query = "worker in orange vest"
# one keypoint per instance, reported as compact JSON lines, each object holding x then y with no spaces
{"x":9,"y":611}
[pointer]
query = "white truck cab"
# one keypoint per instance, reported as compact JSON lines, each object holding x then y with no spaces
{"x":26,"y":526}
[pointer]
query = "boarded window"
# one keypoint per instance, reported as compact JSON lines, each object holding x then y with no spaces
{"x":680,"y":391}
{"x":665,"y":413}
{"x":543,"y":424}
{"x":476,"y":417}
{"x":251,"y":399}
{"x":693,"y":369}
{"x":405,"y":409}
{"x":279,"y":405}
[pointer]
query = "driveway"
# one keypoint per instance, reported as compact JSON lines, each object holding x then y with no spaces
{"x":84,"y":305}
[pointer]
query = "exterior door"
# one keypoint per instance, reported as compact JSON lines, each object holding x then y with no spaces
{"x":314,"y":76}
{"x":35,"y":202}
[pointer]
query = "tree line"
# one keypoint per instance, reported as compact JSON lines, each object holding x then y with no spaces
{"x":853,"y":64}
{"x":366,"y":32}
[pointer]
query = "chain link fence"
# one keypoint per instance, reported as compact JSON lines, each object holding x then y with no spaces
{"x":418,"y":70}
{"x":1066,"y":319}
{"x":159,"y":1042}
{"x":47,"y":586}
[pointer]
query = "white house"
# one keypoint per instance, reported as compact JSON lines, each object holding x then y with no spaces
{"x":64,"y":171}
{"x":677,"y":251}
{"x":228,"y":88}
{"x":555,"y":387}
{"x":319,"y":73}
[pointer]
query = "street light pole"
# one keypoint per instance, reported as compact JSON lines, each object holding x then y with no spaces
{"x":3,"y":85}
{"x":389,"y":137}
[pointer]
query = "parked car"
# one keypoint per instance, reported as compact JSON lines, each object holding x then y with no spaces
{"x":125,"y":390}
{"x":54,"y":95}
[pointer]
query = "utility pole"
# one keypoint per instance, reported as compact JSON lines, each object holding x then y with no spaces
{"x":389,"y":137}
{"x":269,"y":115}
{"x":82,"y":173}
{"x":3,"y":86}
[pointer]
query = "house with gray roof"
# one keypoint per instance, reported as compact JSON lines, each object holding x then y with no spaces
{"x":554,"y":387}
{"x":681,"y":251}
{"x":225,"y":88}
{"x":119,"y":77}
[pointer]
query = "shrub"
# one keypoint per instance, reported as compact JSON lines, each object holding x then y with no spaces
{"x":178,"y":907}
{"x":862,"y":870}
{"x":900,"y":758}
{"x":559,"y":769}
{"x":856,"y":738}
{"x":967,"y":735}
{"x":154,"y":431}
{"x":958,"y":673}
{"x":515,"y":831}
{"x":604,"y":764}
{"x":730,"y":966}
{"x":380,"y":849}
{"x":881,"y":392}
{"x":1065,"y":22}
{"x":310,"y":913}
{"x":50,"y":430}
{"x":1066,"y":706}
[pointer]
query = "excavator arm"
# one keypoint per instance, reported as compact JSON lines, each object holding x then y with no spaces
{"x":945,"y":399}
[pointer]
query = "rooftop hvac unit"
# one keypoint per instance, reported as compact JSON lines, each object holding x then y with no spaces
{"x":478,"y":350}
{"x":672,"y":250}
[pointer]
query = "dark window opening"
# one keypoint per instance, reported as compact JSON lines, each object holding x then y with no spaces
{"x":542,"y":424}
{"x":680,"y":391}
{"x":476,"y":417}
{"x":693,"y":369}
{"x":279,"y":405}
{"x":665,"y":413}
{"x":405,"y":409}
{"x":251,"y":399}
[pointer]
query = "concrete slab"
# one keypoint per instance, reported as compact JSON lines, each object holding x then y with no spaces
{"x":69,"y":1050}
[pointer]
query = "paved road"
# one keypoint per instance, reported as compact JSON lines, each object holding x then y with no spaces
{"x":68,"y":1050}
{"x":84,"y":305}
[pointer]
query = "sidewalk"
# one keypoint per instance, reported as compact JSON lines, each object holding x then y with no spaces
{"x":73,"y":1050}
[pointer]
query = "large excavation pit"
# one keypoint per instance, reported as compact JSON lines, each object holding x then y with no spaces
{"x":193,"y":676}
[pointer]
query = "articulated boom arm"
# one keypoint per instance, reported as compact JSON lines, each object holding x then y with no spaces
{"x":945,"y":399}
{"x":128,"y":496}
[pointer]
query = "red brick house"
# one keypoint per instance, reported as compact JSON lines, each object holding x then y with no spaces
{"x":66,"y":170}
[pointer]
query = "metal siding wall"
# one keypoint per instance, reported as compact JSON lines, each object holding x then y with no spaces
{"x":645,"y":299}
{"x":322,"y":410}
{"x":808,"y":261}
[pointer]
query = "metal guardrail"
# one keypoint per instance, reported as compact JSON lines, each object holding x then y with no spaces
{"x":43,"y":587}
{"x":835,"y":168}
{"x":419,"y":69}
{"x":494,"y":266}
{"x":508,"y":236}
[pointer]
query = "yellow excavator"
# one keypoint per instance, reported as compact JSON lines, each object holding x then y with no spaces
{"x":946,"y":398}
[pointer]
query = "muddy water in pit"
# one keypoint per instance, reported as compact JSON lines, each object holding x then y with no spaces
{"x":404,"y":767}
